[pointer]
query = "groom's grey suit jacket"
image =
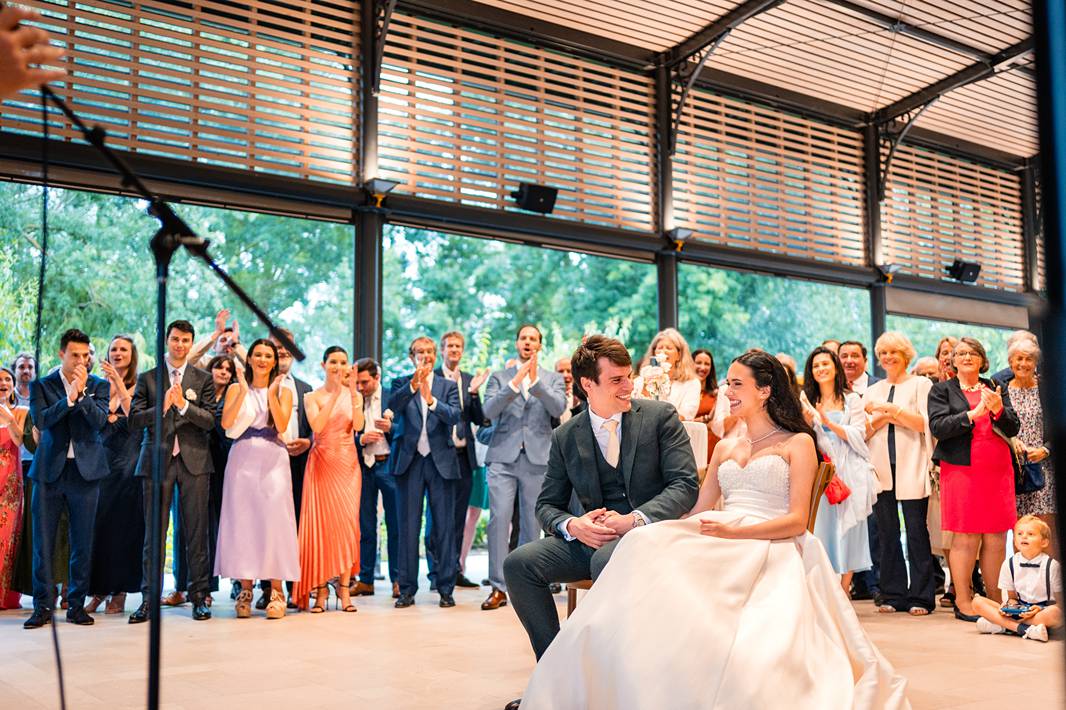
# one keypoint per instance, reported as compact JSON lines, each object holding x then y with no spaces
{"x":656,"y":460}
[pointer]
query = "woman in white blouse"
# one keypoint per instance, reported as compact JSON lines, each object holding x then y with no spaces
{"x":676,"y":382}
{"x":897,"y":431}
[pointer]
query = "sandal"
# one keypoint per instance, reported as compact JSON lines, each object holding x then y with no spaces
{"x":947,"y":600}
{"x":918,"y":611}
{"x":886,"y":609}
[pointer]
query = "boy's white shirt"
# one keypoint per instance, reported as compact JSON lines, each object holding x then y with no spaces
{"x":1030,"y":582}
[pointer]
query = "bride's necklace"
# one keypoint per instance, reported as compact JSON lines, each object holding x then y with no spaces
{"x":767,"y":435}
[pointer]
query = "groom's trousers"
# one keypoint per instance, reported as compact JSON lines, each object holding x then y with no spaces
{"x":533,"y":566}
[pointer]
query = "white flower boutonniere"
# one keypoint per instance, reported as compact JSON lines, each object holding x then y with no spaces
{"x":190,"y":394}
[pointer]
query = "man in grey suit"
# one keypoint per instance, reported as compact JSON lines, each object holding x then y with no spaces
{"x":521,"y":401}
{"x":630,"y":463}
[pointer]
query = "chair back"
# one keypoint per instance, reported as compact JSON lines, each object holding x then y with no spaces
{"x":825,"y":474}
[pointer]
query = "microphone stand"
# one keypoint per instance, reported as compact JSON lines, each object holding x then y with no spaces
{"x":173,"y":234}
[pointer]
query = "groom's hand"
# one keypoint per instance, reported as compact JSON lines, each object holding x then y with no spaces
{"x":589,"y":531}
{"x":621,"y":524}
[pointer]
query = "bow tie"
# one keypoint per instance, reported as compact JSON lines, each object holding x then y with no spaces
{"x":1031,"y":564}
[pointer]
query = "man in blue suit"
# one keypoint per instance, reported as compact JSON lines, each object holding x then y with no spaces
{"x":425,"y":408}
{"x":521,"y":401}
{"x":69,"y":407}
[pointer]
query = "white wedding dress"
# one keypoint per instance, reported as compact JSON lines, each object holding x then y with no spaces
{"x":679,"y":620}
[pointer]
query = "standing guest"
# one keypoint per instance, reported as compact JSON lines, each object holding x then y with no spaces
{"x":898,"y":435}
{"x":832,"y":346}
{"x":25,"y":368}
{"x":927,"y":367}
{"x":1005,"y":375}
{"x":976,"y":470}
{"x":945,"y":356}
{"x":839,"y":422}
{"x":188,"y":418}
{"x":119,"y":539}
{"x":793,"y":372}
{"x":225,"y":340}
{"x":69,"y":407}
{"x":223,"y":374}
{"x":852,"y":353}
{"x":479,"y":494}
{"x":574,"y":403}
{"x":452,"y":346}
{"x":853,"y":359}
{"x":373,"y":443}
{"x":426,"y":408}
{"x":257,"y":536}
{"x":520,"y":401}
{"x":1034,"y":438}
{"x":329,"y":527}
{"x":707,"y":375}
{"x":676,"y":382}
{"x":12,"y":423}
{"x":297,"y":440}
{"x":23,"y":51}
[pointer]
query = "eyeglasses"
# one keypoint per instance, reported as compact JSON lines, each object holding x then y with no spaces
{"x":964,"y":354}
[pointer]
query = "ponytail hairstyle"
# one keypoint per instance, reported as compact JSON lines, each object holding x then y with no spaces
{"x":783,"y":405}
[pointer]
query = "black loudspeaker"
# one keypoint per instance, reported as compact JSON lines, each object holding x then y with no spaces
{"x":964,"y":271}
{"x":535,"y":198}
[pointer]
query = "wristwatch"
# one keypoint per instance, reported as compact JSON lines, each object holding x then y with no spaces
{"x":638,"y":520}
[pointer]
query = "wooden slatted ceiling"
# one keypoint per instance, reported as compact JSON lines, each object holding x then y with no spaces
{"x":260,"y":85}
{"x":467,"y":117}
{"x":656,"y":25}
{"x":999,"y":111}
{"x":749,"y":177}
{"x":824,"y":51}
{"x":988,"y":25}
{"x":938,"y":209}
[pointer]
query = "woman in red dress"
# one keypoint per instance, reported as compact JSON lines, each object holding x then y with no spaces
{"x":708,"y":378}
{"x":12,"y":420}
{"x":970,"y":416}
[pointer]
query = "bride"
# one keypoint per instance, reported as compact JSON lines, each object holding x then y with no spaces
{"x":738,"y":608}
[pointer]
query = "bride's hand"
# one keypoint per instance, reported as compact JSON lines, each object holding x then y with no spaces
{"x":713,"y":528}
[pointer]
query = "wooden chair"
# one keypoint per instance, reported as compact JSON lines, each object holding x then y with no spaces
{"x":822,"y":478}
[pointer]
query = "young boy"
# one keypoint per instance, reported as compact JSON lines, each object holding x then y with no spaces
{"x":1029,"y":578}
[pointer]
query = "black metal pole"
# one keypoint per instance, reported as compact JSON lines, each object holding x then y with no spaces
{"x":1049,"y":28}
{"x":368,"y":283}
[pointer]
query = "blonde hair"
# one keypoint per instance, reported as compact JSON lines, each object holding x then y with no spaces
{"x":1043,"y":528}
{"x":686,"y":366}
{"x":894,"y":340}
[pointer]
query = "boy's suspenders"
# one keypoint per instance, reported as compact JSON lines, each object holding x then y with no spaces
{"x":1047,"y":577}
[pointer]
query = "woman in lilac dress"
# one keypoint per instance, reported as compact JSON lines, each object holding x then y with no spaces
{"x":257,"y":529}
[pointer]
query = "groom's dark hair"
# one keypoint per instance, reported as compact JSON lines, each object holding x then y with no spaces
{"x":585,"y":361}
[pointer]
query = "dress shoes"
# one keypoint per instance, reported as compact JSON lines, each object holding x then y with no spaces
{"x":555,"y":588}
{"x":262,"y":601}
{"x":447,"y":601}
{"x":38,"y":618}
{"x":494,"y":601}
{"x":175,"y":598}
{"x":362,"y":589}
{"x":513,"y":705}
{"x":78,"y":615}
{"x":200,"y":609}
{"x":961,"y":616}
{"x":462,"y":581}
{"x":404,"y":601}
{"x":395,"y":590}
{"x":141,"y":615}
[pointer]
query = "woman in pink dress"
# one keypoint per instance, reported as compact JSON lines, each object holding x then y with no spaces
{"x":970,"y":416}
{"x":12,"y":420}
{"x":329,"y":515}
{"x":257,"y":526}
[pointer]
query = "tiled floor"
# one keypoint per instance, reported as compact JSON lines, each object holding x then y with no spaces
{"x":427,"y":657}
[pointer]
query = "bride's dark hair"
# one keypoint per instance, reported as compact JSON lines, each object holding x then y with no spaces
{"x":783,"y":406}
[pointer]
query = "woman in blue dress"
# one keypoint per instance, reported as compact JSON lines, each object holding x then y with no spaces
{"x":840,"y":424}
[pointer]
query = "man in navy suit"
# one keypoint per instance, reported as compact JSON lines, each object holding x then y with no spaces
{"x":69,"y":407}
{"x":425,"y":408}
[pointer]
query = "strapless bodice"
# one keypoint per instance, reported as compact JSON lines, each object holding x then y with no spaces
{"x":760,"y":488}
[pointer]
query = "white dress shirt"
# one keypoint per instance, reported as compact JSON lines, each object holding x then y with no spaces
{"x":565,"y":416}
{"x":372,"y":411}
{"x":1030,"y":583}
{"x":457,"y":378}
{"x":292,"y":432}
{"x":860,"y":383}
{"x":171,"y":369}
{"x":423,"y":437}
{"x":70,"y":398}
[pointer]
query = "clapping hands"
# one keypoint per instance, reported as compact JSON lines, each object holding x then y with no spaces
{"x":478,"y":380}
{"x":526,"y":369}
{"x":992,"y":400}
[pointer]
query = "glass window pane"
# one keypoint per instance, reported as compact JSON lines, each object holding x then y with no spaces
{"x":925,"y":334}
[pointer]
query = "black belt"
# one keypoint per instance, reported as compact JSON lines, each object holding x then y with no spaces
{"x":380,"y":457}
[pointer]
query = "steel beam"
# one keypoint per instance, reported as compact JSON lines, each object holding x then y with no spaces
{"x":872,"y":191}
{"x":713,"y":31}
{"x":1030,"y":226}
{"x":666,"y":271}
{"x":878,"y":323}
{"x":368,"y":308}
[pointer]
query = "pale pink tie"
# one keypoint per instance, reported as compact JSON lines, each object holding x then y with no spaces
{"x":175,"y":378}
{"x":611,"y":425}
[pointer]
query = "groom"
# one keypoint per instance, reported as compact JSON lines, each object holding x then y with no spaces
{"x":630,"y":463}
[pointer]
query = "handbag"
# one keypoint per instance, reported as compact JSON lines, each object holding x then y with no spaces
{"x":837,"y":491}
{"x":1028,"y":476}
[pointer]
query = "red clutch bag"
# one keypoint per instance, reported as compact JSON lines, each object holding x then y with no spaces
{"x":837,"y":491}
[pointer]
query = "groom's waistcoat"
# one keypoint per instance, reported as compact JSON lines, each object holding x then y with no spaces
{"x":612,"y":485}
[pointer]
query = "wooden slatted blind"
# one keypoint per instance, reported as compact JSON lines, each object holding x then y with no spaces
{"x":466,"y":117}
{"x":939,"y":208}
{"x":264,"y":85}
{"x":757,"y":178}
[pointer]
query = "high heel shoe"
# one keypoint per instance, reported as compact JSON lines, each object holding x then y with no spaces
{"x":275,"y":608}
{"x":116,"y":604}
{"x":972,"y":618}
{"x":93,"y":604}
{"x":320,"y":601}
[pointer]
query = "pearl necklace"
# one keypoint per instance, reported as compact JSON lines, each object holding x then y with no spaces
{"x":971,"y":388}
{"x":767,"y":435}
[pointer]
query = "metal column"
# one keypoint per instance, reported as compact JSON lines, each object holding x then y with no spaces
{"x":665,"y":262}
{"x":369,"y":222}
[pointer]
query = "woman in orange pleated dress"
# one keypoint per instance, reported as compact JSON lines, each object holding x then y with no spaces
{"x":329,"y":515}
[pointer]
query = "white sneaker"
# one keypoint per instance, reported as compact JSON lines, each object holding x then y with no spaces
{"x":1036,"y":632}
{"x":987,"y":627}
